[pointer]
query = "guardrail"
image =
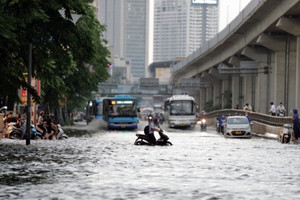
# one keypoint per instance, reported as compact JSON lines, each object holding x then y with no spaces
{"x":259,"y":117}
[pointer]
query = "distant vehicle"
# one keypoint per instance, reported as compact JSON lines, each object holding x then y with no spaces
{"x":157,"y":108}
{"x":237,"y":126}
{"x":203,"y":124}
{"x":120,"y":112}
{"x":145,"y":112}
{"x":180,"y":111}
{"x":94,"y":109}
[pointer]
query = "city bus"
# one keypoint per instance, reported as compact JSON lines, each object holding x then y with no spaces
{"x":120,"y":112}
{"x":94,"y":110}
{"x":180,"y":111}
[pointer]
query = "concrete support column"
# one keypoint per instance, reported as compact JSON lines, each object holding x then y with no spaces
{"x":247,"y":90}
{"x":209,"y":93}
{"x":196,"y":95}
{"x":292,"y":83}
{"x":297,"y":81}
{"x":261,"y":104}
{"x":202,"y":98}
{"x":225,"y":88}
{"x":278,"y":76}
{"x":217,"y":93}
{"x":235,"y":90}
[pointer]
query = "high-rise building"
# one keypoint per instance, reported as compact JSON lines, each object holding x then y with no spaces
{"x":182,"y":26}
{"x":127,"y":31}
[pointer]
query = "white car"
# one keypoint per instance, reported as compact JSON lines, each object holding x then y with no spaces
{"x":237,"y":126}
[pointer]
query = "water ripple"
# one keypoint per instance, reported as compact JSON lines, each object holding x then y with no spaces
{"x":97,"y":164}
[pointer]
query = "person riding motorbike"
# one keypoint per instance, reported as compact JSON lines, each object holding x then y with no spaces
{"x":280,"y":110}
{"x":152,"y":128}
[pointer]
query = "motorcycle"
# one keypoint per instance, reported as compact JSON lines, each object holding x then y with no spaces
{"x":13,"y":132}
{"x":280,"y":113}
{"x":3,"y":109}
{"x":61,"y":134}
{"x":35,"y":135}
{"x":285,"y":134}
{"x":203,"y":124}
{"x":143,"y":139}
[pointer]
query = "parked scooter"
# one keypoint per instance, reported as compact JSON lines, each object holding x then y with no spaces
{"x":285,"y":134}
{"x":61,"y":134}
{"x":281,"y":113}
{"x":143,"y":139}
{"x":35,"y":135}
{"x":13,"y":132}
{"x":3,"y":109}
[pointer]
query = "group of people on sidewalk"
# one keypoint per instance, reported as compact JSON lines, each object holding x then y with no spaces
{"x":279,"y":111}
{"x":45,"y":125}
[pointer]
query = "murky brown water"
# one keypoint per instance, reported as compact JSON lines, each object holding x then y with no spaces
{"x":96,"y":164}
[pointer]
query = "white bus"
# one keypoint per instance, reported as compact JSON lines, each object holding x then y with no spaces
{"x":180,"y":111}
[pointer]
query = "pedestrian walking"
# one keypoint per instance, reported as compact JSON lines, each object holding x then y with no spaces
{"x":296,"y":131}
{"x":272,"y":110}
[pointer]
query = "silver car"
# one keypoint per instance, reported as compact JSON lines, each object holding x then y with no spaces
{"x":237,"y":126}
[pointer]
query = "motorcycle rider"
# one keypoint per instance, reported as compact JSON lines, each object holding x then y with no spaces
{"x":152,"y":128}
{"x":156,"y":120}
{"x":222,"y":120}
{"x":280,"y":110}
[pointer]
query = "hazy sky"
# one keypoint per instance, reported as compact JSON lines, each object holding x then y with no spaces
{"x":228,"y":10}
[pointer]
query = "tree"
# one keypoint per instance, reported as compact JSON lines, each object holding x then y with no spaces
{"x":70,"y":60}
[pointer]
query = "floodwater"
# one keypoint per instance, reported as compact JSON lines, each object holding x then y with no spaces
{"x":100,"y":164}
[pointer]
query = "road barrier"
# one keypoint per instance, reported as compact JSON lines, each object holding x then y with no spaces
{"x":258,"y":117}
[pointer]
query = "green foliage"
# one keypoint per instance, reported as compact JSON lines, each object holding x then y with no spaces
{"x":69,"y":59}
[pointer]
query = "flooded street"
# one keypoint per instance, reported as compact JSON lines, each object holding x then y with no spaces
{"x":100,"y":164}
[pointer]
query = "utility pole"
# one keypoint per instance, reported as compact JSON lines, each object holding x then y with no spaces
{"x":28,"y":122}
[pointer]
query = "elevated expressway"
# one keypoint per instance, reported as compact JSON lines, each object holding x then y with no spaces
{"x":264,"y":37}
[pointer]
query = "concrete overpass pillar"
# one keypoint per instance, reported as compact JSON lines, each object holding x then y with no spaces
{"x":214,"y":90}
{"x":209,"y":93}
{"x":278,"y":79}
{"x":278,"y":44}
{"x":247,"y":90}
{"x":262,"y":56}
{"x":235,"y":89}
{"x":219,"y":87}
{"x":292,"y":83}
{"x":202,"y":98}
{"x":217,"y":93}
{"x":261,"y":103}
{"x":291,"y":25}
{"x":225,"y":88}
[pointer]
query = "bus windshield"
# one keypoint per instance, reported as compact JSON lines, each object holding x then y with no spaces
{"x":182,"y":107}
{"x":122,"y":108}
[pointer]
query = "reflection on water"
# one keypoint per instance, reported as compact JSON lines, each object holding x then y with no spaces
{"x":99,"y":164}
